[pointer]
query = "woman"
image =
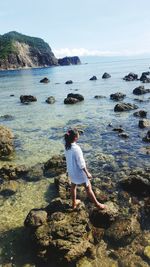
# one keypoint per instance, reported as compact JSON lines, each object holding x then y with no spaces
{"x":77,"y":170}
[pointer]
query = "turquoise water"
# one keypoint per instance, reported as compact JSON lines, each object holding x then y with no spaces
{"x":39,"y":127}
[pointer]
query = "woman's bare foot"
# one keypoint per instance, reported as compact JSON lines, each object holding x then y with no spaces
{"x":77,"y":203}
{"x":101,"y":206}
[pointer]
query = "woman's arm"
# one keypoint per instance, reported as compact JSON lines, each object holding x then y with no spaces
{"x":88,"y":174}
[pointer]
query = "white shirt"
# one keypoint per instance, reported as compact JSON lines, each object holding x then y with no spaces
{"x":75,"y":164}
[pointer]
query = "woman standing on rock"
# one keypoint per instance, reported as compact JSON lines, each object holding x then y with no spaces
{"x":77,"y":170}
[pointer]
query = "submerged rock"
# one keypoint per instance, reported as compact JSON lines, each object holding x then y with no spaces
{"x":7,"y":117}
{"x":50,"y":100}
{"x":6,"y":141}
{"x":10,"y":172}
{"x":137,"y":182}
{"x":99,"y":96}
{"x":8,"y":188}
{"x":122,"y":231}
{"x":125,"y":107}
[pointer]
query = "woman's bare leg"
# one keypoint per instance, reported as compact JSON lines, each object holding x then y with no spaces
{"x":92,"y":196}
{"x":73,"y":195}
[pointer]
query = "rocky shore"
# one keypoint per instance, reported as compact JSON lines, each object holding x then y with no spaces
{"x":87,"y":236}
{"x":59,"y":236}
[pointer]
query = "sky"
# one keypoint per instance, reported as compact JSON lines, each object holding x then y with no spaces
{"x":82,"y":27}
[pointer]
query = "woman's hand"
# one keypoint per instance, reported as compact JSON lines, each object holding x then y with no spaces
{"x":89,"y":175}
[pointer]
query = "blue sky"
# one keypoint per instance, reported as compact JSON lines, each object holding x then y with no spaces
{"x":82,"y":27}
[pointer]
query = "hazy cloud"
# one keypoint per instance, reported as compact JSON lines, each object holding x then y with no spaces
{"x":62,"y":52}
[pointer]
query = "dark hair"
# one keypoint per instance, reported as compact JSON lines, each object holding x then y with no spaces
{"x":70,"y":137}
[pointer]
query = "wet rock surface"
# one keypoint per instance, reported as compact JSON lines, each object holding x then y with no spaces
{"x":131,"y":77}
{"x":140,"y":90}
{"x":125,"y":107}
{"x":140,"y":113}
{"x":25,"y":99}
{"x":87,"y":235}
{"x":146,"y":138}
{"x":106,"y":75}
{"x":117,"y":96}
{"x":50,"y":100}
{"x":45,"y":80}
{"x":93,"y":78}
{"x":6,"y":141}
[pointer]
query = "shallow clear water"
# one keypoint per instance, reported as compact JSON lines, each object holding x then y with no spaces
{"x":39,"y":127}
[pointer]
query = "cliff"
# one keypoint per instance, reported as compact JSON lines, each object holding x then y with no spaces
{"x":21,"y":51}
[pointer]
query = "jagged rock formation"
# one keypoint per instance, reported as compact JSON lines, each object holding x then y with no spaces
{"x":21,"y":51}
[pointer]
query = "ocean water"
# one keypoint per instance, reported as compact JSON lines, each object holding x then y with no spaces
{"x":39,"y":127}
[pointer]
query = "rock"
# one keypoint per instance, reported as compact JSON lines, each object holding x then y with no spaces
{"x":77,"y":96}
{"x":27,"y":98}
{"x":45,"y":80}
{"x":122,"y":231}
{"x":69,"y":82}
{"x":10,"y":172}
{"x":7,"y":117}
{"x":123,"y":135}
{"x":70,"y":100}
{"x":125,"y":107}
{"x":99,"y":96}
{"x":106,"y":75}
{"x":119,"y":130}
{"x":117,"y":96}
{"x":69,"y":61}
{"x":131,"y":77}
{"x":36,"y":218}
{"x":6,"y":141}
{"x":144,"y":123}
{"x":144,"y":77}
{"x":50,"y":100}
{"x":93,"y":78}
{"x":62,"y":184}
{"x":65,"y":236}
{"x":147,"y":252}
{"x":104,"y":218}
{"x":140,"y":113}
{"x":34,"y":173}
{"x":55,"y":166}
{"x":8,"y":188}
{"x":12,"y":95}
{"x":140,"y":90}
{"x":147,"y":137}
{"x":137,"y":182}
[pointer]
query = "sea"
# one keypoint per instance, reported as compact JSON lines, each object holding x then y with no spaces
{"x":39,"y":128}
